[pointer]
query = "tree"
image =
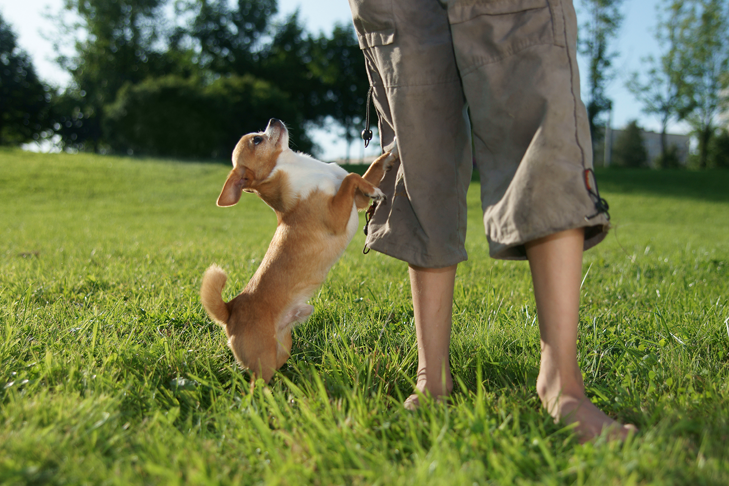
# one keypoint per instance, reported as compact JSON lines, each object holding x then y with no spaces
{"x":165,"y":116}
{"x":135,"y":66}
{"x":629,"y":149}
{"x":706,"y":52}
{"x":602,"y":25}
{"x":288,"y":64}
{"x":24,"y":100}
{"x":338,"y":64}
{"x":184,"y":117}
{"x":229,"y":39}
{"x":719,"y":150}
{"x":116,"y":43}
{"x":665,"y":92}
{"x":131,"y":51}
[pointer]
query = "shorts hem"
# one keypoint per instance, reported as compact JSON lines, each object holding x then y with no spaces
{"x":415,"y":256}
{"x":594,"y":234}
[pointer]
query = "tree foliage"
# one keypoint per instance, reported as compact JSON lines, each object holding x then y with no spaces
{"x":229,"y":38}
{"x":289,"y":64}
{"x":24,"y":100}
{"x":596,"y":34}
{"x":143,"y":76}
{"x":665,"y":91}
{"x":719,"y":150}
{"x":116,"y":43}
{"x":629,"y":149}
{"x":183,"y":117}
{"x":706,"y":51}
{"x":339,"y":66}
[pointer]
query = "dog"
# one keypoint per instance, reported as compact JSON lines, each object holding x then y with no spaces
{"x":316,"y":205}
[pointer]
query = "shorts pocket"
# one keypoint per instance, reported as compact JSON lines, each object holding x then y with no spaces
{"x":373,"y":22}
{"x":486,"y":31}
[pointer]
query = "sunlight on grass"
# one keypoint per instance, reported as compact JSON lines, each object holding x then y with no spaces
{"x":110,"y":371}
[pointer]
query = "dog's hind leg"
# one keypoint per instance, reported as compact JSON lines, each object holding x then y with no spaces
{"x":283,"y":349}
{"x":297,"y":313}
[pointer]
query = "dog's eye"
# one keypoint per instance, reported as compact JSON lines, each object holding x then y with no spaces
{"x":257,"y":140}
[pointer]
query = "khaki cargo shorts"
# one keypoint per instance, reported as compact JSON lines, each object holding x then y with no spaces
{"x":505,"y":72}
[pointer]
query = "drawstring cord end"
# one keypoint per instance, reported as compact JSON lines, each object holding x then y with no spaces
{"x":367,"y":133}
{"x":601,"y":205}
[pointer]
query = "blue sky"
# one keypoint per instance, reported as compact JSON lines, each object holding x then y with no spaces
{"x":636,"y":41}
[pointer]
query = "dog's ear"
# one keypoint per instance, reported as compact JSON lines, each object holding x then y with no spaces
{"x":234,"y":185}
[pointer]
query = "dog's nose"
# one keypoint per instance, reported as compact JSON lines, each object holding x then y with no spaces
{"x":275,"y":121}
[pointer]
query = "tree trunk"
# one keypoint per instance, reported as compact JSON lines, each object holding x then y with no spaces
{"x":2,"y":124}
{"x":664,"y":142}
{"x":704,"y":138}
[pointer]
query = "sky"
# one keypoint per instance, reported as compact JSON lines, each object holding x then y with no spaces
{"x":33,"y":21}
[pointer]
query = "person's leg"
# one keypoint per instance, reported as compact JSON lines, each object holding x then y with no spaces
{"x":432,"y":290}
{"x":556,"y":265}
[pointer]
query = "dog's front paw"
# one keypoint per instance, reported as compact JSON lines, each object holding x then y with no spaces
{"x":377,"y":195}
{"x":390,"y":162}
{"x":392,"y":157}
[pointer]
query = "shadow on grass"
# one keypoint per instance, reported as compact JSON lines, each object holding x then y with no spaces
{"x":710,"y":185}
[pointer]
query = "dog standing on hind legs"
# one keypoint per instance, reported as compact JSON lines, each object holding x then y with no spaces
{"x":316,"y":205}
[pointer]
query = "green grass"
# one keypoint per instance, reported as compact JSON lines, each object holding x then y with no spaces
{"x":111,"y":373}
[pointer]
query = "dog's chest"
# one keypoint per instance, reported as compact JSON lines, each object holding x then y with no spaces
{"x":353,"y":223}
{"x":308,"y":175}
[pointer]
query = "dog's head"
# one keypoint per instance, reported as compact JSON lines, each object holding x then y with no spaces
{"x":254,"y":158}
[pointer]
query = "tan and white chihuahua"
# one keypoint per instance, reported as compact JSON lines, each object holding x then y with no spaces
{"x":316,"y":205}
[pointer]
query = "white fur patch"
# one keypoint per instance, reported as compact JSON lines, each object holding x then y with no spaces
{"x":353,"y":223}
{"x":306,"y":174}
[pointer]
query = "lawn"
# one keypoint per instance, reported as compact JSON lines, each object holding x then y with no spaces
{"x":111,"y":373}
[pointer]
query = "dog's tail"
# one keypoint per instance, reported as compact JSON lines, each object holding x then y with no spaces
{"x":211,"y":294}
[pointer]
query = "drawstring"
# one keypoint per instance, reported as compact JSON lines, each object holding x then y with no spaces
{"x":600,"y":204}
{"x":367,"y":133}
{"x":367,"y":136}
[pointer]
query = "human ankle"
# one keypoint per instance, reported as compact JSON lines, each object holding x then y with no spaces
{"x":437,"y":386}
{"x":554,"y":392}
{"x":423,"y":388}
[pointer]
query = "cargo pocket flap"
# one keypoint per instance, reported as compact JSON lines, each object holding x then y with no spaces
{"x":373,"y":21}
{"x":464,"y":11}
{"x":379,"y":38}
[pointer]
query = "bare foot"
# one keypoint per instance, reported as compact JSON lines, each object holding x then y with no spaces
{"x":439,"y":392}
{"x":591,"y":421}
{"x":412,"y":403}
